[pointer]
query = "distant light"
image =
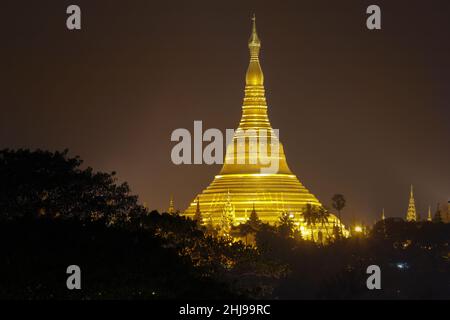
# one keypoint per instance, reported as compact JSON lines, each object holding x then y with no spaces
{"x":402,"y":265}
{"x":358,"y":229}
{"x":291,"y":215}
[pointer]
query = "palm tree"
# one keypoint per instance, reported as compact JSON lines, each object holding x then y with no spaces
{"x":310,"y":217}
{"x":323,"y":216}
{"x":338,"y":202}
{"x":286,"y":225}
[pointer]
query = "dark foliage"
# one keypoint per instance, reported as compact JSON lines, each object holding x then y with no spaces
{"x":115,"y":263}
{"x":413,"y":258}
{"x":42,"y":183}
{"x":54,"y":214}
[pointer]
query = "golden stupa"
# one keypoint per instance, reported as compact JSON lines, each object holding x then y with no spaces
{"x":243,"y":187}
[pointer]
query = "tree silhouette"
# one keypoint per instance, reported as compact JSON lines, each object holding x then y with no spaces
{"x":438,"y":216}
{"x":254,"y":221}
{"x":244,"y":230}
{"x":42,"y":183}
{"x":286,"y":225}
{"x":337,"y":235}
{"x":323,"y":215}
{"x":338,"y":202}
{"x":198,"y":217}
{"x":310,"y":218}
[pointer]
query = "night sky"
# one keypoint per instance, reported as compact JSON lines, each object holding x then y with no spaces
{"x":362,"y":113}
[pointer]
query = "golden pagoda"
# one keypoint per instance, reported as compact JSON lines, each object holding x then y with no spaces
{"x":246,"y":184}
{"x":429,"y":218}
{"x":171,"y":209}
{"x":411,"y":213}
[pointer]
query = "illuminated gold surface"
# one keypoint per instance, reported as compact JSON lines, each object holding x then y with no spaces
{"x":171,"y":208}
{"x":244,"y":184}
{"x":411,"y":213}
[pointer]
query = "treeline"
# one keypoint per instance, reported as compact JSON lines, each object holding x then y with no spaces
{"x":54,"y":213}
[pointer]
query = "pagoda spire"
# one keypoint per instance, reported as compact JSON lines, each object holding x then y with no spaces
{"x":254,"y":77}
{"x":229,"y":209}
{"x":382,"y":215}
{"x":228,"y":215}
{"x":255,"y":118}
{"x":411,"y":213}
{"x":198,"y":214}
{"x":429,"y":218}
{"x":171,"y":209}
{"x":254,"y":44}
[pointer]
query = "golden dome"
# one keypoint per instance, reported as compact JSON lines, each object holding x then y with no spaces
{"x":245,"y":184}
